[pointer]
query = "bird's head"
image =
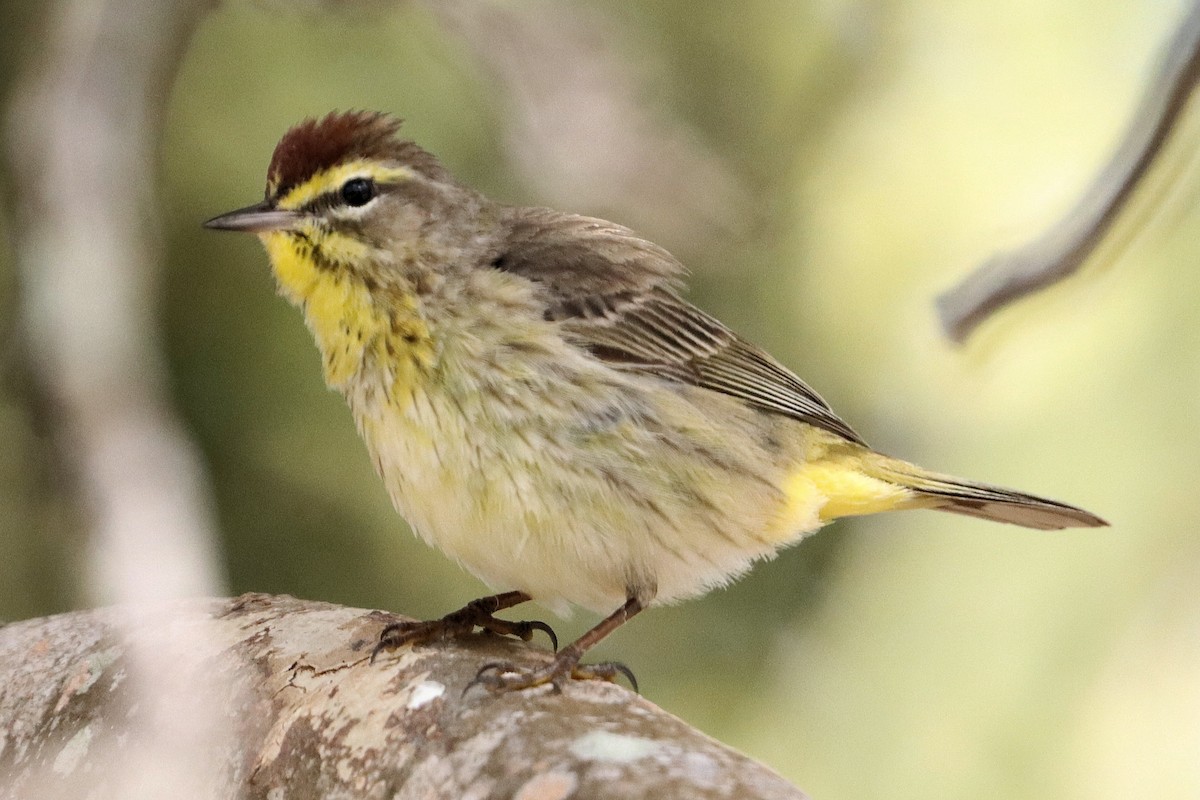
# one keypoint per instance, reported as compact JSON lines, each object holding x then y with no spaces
{"x":358,"y":223}
{"x":346,"y":194}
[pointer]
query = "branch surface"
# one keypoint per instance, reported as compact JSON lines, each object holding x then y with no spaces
{"x":314,"y":719}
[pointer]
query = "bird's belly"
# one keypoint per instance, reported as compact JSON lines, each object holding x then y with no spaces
{"x":575,"y":514}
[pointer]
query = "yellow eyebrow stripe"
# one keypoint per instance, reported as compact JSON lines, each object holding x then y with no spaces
{"x":329,"y":180}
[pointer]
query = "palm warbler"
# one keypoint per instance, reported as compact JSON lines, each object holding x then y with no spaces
{"x":545,"y":408}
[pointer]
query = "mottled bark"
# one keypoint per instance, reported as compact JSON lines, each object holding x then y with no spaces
{"x":312,"y":717}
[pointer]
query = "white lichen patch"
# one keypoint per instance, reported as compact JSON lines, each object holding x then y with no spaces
{"x":475,"y":753}
{"x":86,"y":674}
{"x":556,"y":785}
{"x":98,"y":662}
{"x":73,"y":752}
{"x":702,"y":769}
{"x":614,"y":747}
{"x":308,"y":701}
{"x":424,"y":693}
{"x":320,"y":634}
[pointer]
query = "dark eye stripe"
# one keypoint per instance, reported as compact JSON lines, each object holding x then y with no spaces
{"x":322,"y":202}
{"x":333,"y":197}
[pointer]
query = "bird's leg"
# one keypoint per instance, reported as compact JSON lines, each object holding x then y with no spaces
{"x":504,"y":677}
{"x":475,"y":614}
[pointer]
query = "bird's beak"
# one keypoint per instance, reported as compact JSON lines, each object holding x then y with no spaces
{"x":258,"y":218}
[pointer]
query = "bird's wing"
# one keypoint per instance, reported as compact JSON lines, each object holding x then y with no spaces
{"x":615,"y":294}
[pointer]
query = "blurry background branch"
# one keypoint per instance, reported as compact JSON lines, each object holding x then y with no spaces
{"x":84,"y":128}
{"x":580,"y":125}
{"x":84,"y":132}
{"x":313,"y":718}
{"x":1062,"y":249}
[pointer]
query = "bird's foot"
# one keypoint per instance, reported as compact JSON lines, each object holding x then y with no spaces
{"x":476,"y":614}
{"x":502,"y":676}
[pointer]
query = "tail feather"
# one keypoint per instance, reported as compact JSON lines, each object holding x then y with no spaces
{"x":947,"y":493}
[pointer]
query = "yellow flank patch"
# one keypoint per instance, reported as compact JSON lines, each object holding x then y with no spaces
{"x":331,"y":180}
{"x":824,"y":490}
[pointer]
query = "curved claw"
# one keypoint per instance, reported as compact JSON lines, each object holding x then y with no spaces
{"x":628,"y":673}
{"x":522,"y":630}
{"x":538,"y":625}
{"x":499,"y":667}
{"x":483,"y":678}
{"x":606,"y":671}
{"x":398,"y":634}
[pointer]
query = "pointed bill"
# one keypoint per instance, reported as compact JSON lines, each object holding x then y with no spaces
{"x":258,"y":218}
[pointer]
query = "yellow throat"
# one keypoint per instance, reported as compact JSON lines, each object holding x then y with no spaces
{"x":351,"y":326}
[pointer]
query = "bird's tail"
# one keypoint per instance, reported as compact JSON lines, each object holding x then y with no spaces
{"x":947,"y":493}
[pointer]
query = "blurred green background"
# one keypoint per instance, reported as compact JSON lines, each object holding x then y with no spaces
{"x":857,"y":158}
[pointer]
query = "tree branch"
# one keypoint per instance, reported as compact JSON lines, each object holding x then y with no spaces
{"x":311,"y":717}
{"x":1062,"y":249}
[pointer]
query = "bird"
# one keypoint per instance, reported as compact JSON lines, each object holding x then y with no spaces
{"x":544,"y":406}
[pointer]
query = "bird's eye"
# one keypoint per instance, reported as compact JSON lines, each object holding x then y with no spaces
{"x":358,"y":191}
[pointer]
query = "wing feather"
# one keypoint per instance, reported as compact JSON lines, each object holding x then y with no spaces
{"x":616,"y":295}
